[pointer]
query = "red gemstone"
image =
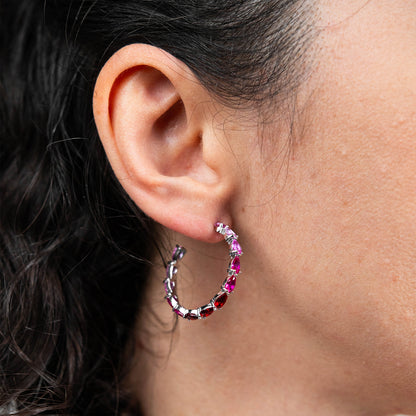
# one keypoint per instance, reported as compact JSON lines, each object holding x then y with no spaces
{"x":229,"y":284}
{"x":235,"y":265}
{"x":220,"y":301}
{"x":206,"y":311}
{"x":191,"y":316}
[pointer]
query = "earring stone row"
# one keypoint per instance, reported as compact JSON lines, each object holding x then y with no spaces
{"x":218,"y":301}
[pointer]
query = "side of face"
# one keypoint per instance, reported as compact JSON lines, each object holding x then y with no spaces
{"x":325,"y":204}
{"x":339,"y":220}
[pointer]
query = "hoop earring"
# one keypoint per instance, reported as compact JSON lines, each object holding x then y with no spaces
{"x":218,"y":301}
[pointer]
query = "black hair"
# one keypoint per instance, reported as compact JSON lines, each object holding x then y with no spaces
{"x":74,"y":250}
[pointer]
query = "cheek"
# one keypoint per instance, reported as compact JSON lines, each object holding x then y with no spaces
{"x":343,"y":244}
{"x":348,"y":216}
{"x":357,"y":212}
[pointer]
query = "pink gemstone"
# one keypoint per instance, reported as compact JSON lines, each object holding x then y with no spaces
{"x":235,"y":265}
{"x":236,"y":248}
{"x":206,"y":311}
{"x":229,"y":285}
{"x":220,"y":300}
{"x":229,"y":232}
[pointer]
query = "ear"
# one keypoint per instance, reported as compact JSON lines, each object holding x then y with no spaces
{"x":155,"y":122}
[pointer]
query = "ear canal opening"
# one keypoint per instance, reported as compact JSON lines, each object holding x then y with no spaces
{"x":171,"y":123}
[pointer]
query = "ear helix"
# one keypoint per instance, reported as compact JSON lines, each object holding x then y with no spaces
{"x":218,"y":301}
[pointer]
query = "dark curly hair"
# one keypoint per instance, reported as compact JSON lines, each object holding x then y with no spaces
{"x":74,"y":250}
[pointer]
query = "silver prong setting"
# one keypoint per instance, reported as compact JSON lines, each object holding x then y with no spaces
{"x":218,"y":301}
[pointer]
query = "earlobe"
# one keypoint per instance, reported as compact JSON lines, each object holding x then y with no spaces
{"x":152,"y":117}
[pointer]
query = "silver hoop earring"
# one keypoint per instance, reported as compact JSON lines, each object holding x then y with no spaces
{"x":218,"y":301}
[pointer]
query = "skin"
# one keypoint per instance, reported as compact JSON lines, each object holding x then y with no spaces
{"x":323,"y":319}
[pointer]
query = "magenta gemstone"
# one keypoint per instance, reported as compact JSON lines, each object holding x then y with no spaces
{"x":206,"y":311}
{"x":236,"y":248}
{"x":229,"y":285}
{"x":178,"y":312}
{"x":220,"y":301}
{"x":235,"y":265}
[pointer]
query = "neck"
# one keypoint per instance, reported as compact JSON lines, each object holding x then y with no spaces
{"x":249,"y":358}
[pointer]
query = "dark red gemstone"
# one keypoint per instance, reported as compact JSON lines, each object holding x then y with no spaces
{"x":220,"y":301}
{"x":206,"y":311}
{"x":191,"y":316}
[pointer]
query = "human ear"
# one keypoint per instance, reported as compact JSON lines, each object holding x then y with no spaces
{"x":154,"y":120}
